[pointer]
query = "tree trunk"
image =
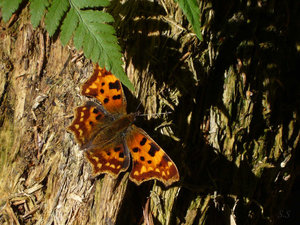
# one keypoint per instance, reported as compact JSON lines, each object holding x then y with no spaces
{"x":233,"y":130}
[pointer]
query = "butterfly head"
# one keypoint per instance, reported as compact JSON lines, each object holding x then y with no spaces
{"x":132,"y":116}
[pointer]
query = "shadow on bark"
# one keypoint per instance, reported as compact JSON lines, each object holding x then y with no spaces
{"x":233,"y":131}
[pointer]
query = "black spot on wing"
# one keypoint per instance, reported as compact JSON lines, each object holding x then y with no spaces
{"x":102,"y":91}
{"x":142,"y":158}
{"x":143,"y":141}
{"x":115,"y":97}
{"x":154,"y":148}
{"x":116,"y":149}
{"x":95,"y":111}
{"x":121,"y":155}
{"x":135,"y":149}
{"x":116,"y":85}
{"x":106,"y":100}
{"x":98,"y":117}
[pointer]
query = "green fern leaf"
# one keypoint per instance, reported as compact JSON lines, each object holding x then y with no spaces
{"x":8,"y":8}
{"x":79,"y":36}
{"x":68,"y":27}
{"x":55,"y":14}
{"x":37,"y":9}
{"x":95,"y":54}
{"x":91,"y":3}
{"x":81,"y":18}
{"x":98,"y":40}
{"x":96,"y":16}
{"x":192,"y":13}
{"x":88,"y":44}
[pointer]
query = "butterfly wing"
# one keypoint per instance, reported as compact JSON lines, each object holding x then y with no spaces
{"x":149,"y":161}
{"x":112,"y":158}
{"x":87,"y":121}
{"x":105,"y":87}
{"x":105,"y":150}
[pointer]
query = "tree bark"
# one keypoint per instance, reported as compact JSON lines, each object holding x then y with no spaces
{"x":233,"y":130}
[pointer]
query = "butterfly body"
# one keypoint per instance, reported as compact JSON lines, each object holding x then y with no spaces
{"x":112,"y":131}
{"x":109,"y":138}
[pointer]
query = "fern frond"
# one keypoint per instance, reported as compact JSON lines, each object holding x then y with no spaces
{"x":37,"y":10}
{"x":97,"y":37}
{"x":88,"y":45}
{"x":79,"y":36}
{"x":8,"y":8}
{"x":97,"y":16}
{"x":81,"y":19}
{"x":68,"y":27}
{"x":55,"y":14}
{"x":192,"y":12}
{"x":91,"y":3}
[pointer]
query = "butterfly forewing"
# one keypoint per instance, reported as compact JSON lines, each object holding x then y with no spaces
{"x":149,"y":161}
{"x":88,"y":119}
{"x":105,"y":87}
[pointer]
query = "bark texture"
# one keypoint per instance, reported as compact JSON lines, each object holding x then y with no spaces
{"x":233,"y":131}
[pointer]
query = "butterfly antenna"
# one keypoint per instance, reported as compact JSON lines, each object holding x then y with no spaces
{"x":138,"y":106}
{"x":154,"y":114}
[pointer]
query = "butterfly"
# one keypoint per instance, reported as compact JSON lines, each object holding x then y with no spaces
{"x":110,"y":139}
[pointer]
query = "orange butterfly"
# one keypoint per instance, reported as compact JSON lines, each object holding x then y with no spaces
{"x":107,"y":134}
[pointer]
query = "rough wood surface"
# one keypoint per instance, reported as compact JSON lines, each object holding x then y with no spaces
{"x":233,"y":130}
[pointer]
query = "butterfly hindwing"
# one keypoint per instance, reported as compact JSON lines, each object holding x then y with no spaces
{"x":112,"y":158}
{"x":105,"y":87}
{"x":88,"y":119}
{"x":149,"y":161}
